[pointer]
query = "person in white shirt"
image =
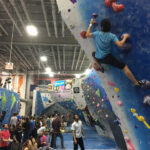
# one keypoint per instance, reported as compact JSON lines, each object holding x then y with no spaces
{"x":41,"y":129}
{"x":14,"y":120}
{"x":77,"y":132}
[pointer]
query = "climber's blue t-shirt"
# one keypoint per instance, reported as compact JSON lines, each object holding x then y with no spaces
{"x":103,"y":42}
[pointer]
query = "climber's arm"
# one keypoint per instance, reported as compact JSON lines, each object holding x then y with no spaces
{"x":120,"y":43}
{"x":88,"y":32}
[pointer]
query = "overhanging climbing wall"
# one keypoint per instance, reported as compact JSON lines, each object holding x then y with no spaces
{"x":134,"y":19}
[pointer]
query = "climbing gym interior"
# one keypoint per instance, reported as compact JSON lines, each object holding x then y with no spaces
{"x":77,"y":70}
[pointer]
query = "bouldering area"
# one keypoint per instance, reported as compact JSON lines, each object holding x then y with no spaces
{"x":74,"y":74}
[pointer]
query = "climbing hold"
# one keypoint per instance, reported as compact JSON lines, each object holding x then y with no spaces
{"x":125,"y":131}
{"x":111,"y":83}
{"x":83,"y":34}
{"x":94,"y":77}
{"x":94,"y":98}
{"x":117,"y":7}
{"x":96,"y":67}
{"x":135,"y":114}
{"x":88,"y":96}
{"x":91,"y":84}
{"x":73,"y":1}
{"x":116,"y":122}
{"x":116,"y":89}
{"x":119,"y":103}
{"x":102,"y":106}
{"x":98,"y":92}
{"x":102,"y":100}
{"x":136,"y":126}
{"x":112,"y":96}
{"x":141,"y":118}
{"x":106,"y":116}
{"x":133,"y":110}
{"x":129,"y":143}
{"x":69,"y":10}
{"x":108,"y":98}
{"x":108,"y":3}
{"x":94,"y":15}
{"x":93,"y":102}
{"x":98,"y":105}
{"x":147,"y":100}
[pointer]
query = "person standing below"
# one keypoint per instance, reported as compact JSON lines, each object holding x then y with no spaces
{"x":77,"y":132}
{"x":5,"y":138}
{"x":56,"y":125}
{"x":14,"y":120}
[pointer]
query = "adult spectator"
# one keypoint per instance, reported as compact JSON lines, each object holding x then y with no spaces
{"x":56,"y":125}
{"x":14,"y":119}
{"x":5,"y":138}
{"x":77,"y":132}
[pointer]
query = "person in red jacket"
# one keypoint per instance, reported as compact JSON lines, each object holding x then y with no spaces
{"x":5,"y":138}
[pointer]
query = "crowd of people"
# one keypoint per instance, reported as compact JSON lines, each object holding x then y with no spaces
{"x":38,"y":132}
{"x":31,"y":133}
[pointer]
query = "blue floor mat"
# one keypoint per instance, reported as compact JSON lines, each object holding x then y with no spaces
{"x":92,"y":142}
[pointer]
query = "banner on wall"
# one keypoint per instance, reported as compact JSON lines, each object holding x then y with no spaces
{"x":50,"y":87}
{"x":59,"y":83}
{"x":62,"y":85}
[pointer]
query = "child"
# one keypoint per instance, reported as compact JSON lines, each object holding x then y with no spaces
{"x":103,"y":41}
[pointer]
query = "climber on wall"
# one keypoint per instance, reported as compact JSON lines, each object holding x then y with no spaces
{"x":103,"y":40}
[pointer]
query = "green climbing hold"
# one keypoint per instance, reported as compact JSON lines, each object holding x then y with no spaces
{"x":3,"y":101}
{"x":98,"y":92}
{"x":13,"y":101}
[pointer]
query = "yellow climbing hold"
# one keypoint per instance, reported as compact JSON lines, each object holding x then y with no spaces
{"x":140,"y":118}
{"x":98,"y":92}
{"x":125,"y":131}
{"x":116,"y":89}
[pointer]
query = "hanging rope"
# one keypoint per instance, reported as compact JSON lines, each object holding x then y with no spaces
{"x":11,"y":43}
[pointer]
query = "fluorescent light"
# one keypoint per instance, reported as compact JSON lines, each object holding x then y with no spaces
{"x":87,"y":71}
{"x":5,"y":73}
{"x":43,"y":58}
{"x":31,"y":30}
{"x":48,"y":70}
{"x":51,"y":74}
{"x":77,"y":75}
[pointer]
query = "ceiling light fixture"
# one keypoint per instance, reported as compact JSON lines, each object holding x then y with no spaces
{"x":78,"y":76}
{"x":51,"y":74}
{"x":43,"y":58}
{"x":32,"y":30}
{"x":48,"y":70}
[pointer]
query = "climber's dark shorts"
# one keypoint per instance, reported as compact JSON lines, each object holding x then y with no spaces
{"x":111,"y":60}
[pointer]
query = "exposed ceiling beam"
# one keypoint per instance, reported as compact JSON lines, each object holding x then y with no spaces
{"x":82,"y":61}
{"x":63,"y":28}
{"x":17,"y":12}
{"x":45,"y":18}
{"x":66,"y":41}
{"x":64,"y":58}
{"x":37,"y":53}
{"x":54,"y":16}
{"x":3,"y":29}
{"x":27,"y":61}
{"x":74,"y":55}
{"x":54,"y":58}
{"x":33,"y":56}
{"x":25,"y":10}
{"x":58,"y":52}
{"x":10,"y":16}
{"x":80,"y":52}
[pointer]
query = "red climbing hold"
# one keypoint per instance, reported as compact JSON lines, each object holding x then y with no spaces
{"x":83,"y":34}
{"x":117,"y":7}
{"x":108,"y":3}
{"x":94,"y":77}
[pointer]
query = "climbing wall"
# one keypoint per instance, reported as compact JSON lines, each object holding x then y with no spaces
{"x":10,"y":103}
{"x":135,"y":20}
